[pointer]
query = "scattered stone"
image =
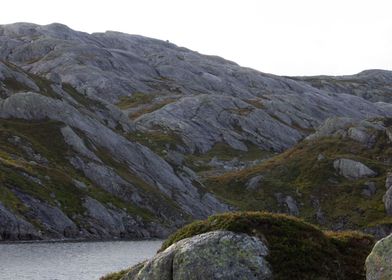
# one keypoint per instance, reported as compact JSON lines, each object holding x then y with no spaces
{"x":254,"y":182}
{"x":288,"y":203}
{"x":320,"y":157}
{"x":320,"y":217}
{"x":369,"y":189}
{"x":292,"y":206}
{"x":352,"y":169}
{"x":79,"y":184}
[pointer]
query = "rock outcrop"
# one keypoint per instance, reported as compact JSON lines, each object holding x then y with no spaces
{"x":212,"y":255}
{"x":378,"y":263}
{"x":13,"y":227}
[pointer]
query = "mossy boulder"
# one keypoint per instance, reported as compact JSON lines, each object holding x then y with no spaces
{"x":294,"y":249}
{"x":212,"y":255}
{"x":379,"y":262}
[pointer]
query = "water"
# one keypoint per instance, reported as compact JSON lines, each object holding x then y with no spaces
{"x":71,"y":261}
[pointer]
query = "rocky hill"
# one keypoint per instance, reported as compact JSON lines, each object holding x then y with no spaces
{"x":113,"y":135}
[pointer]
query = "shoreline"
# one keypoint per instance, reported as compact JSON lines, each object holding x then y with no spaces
{"x":76,"y":240}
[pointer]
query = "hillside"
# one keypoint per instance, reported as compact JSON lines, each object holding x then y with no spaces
{"x":336,"y":178}
{"x":110,"y":135}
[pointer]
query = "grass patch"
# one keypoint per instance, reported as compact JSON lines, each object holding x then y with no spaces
{"x":150,"y":108}
{"x":157,"y":141}
{"x":115,"y":275}
{"x":136,"y":99}
{"x":14,"y":85}
{"x":81,"y":98}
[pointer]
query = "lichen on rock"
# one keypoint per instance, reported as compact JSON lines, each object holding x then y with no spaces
{"x":379,"y":262}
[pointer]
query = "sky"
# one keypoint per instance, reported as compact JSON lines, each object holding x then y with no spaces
{"x":283,"y":37}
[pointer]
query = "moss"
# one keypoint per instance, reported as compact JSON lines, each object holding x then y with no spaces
{"x":115,"y":275}
{"x":44,"y":136}
{"x":298,"y":250}
{"x":45,"y":86}
{"x":136,"y":99}
{"x":150,"y":108}
{"x":158,"y":141}
{"x":81,"y":98}
{"x":14,"y":85}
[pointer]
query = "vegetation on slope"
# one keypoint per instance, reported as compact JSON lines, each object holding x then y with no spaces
{"x":115,"y":275}
{"x":142,"y":103}
{"x":306,"y":173}
{"x":136,"y":99}
{"x":51,"y":181}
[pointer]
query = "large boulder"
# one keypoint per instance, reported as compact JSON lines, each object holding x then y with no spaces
{"x":352,"y":169}
{"x":212,"y":255}
{"x":379,"y":262}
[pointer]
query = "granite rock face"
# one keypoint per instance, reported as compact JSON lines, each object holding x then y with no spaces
{"x":378,"y":263}
{"x":212,"y":255}
{"x":13,"y":227}
{"x":85,"y":133}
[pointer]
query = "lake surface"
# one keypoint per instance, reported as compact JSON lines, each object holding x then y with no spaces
{"x":71,"y":261}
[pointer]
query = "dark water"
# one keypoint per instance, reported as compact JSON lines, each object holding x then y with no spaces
{"x":66,"y":261}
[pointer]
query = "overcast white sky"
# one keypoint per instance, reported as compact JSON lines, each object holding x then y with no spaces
{"x":285,"y":37}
